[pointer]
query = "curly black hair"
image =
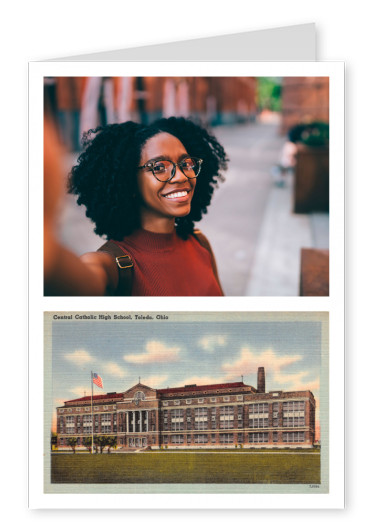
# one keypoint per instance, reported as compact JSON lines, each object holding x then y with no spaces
{"x":105,"y":176}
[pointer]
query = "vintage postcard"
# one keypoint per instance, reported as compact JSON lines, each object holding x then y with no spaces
{"x":186,"y":402}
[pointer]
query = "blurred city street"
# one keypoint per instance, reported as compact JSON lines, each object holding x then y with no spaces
{"x":250,"y":224}
{"x":254,"y":233}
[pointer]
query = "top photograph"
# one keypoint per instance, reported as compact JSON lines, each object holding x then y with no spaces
{"x":186,"y":186}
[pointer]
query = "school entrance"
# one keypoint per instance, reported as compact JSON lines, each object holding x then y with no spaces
{"x":137,"y":442}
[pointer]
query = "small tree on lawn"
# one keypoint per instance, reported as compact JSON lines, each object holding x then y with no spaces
{"x":111,"y":443}
{"x":72,"y":441}
{"x":86,"y":441}
{"x":100,"y":441}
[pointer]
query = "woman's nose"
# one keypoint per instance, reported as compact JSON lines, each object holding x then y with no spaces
{"x":177,"y":175}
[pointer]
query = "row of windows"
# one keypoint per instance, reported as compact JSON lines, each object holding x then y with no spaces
{"x":254,"y":410}
{"x":88,"y":430}
{"x":295,"y":436}
{"x":293,"y":406}
{"x":212,"y":399}
{"x":293,"y":422}
{"x":229,"y":438}
{"x":86,"y":408}
{"x":70,"y":419}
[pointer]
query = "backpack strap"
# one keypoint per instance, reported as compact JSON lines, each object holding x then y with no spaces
{"x":125,"y":267}
{"x":204,"y":242}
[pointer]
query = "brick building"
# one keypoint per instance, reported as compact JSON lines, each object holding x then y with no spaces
{"x":206,"y":416}
{"x":304,"y":100}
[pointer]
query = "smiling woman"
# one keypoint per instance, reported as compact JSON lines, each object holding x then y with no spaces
{"x":144,"y":187}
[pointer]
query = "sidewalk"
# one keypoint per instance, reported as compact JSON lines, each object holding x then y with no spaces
{"x":276,"y":265}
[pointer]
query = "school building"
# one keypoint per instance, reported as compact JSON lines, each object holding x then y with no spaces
{"x":225,"y":415}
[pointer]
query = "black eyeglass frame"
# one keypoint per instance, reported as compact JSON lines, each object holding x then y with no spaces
{"x":150,"y":165}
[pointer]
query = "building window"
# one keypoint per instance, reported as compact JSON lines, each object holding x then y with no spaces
{"x":177,"y":402}
{"x":258,"y":438}
{"x":239,"y":398}
{"x":226,"y":399}
{"x":275,"y":436}
{"x":293,"y":437}
{"x":139,"y":395}
{"x":240,"y":437}
{"x":293,"y":406}
{"x":78,"y":409}
{"x":213,"y":399}
{"x":96,"y":408}
{"x":201,"y":438}
{"x":226,"y":438}
{"x":226,"y":417}
{"x":177,"y":439}
{"x":213,"y":438}
{"x":87,"y":424}
{"x":69,"y":424}
{"x":165,"y":403}
{"x":293,"y":414}
{"x":165,"y":439}
{"x":259,"y":415}
{"x":106,"y":423}
{"x":177,"y":419}
{"x":201,"y":418}
{"x":189,"y":401}
{"x":259,"y":408}
{"x":258,"y":423}
{"x":200,"y":400}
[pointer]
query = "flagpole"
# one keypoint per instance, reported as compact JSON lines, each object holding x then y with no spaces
{"x":92,"y":419}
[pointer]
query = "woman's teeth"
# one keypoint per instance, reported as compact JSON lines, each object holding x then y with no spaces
{"x":176,"y":194}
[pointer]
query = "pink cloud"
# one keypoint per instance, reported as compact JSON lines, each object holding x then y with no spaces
{"x":248,"y":362}
{"x":155,"y":381}
{"x":156,"y":352}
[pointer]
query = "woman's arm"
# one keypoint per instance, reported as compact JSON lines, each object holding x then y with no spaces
{"x":67,"y":274}
{"x":64,"y":272}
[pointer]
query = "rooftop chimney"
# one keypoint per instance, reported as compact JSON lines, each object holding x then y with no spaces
{"x":261,"y":380}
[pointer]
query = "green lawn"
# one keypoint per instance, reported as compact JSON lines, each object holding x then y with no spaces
{"x":160,"y":467}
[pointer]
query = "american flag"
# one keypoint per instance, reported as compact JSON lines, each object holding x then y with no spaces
{"x":97,"y":380}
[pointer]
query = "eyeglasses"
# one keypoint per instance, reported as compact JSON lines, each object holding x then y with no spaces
{"x":165,"y":170}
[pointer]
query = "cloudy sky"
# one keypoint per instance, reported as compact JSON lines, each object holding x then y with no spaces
{"x":196,"y":348}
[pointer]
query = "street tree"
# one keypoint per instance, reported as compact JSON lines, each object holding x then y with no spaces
{"x":86,"y":441}
{"x":100,"y":441}
{"x":72,"y":441}
{"x":111,"y":443}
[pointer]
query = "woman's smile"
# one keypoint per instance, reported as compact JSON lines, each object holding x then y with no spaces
{"x":179,"y":195}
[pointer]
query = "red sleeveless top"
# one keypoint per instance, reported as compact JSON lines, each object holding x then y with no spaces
{"x":166,"y":265}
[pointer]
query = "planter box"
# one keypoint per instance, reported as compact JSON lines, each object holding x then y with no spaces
{"x":314,"y":273}
{"x":311,"y":185}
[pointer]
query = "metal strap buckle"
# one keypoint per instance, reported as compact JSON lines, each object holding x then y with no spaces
{"x":124,"y":266}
